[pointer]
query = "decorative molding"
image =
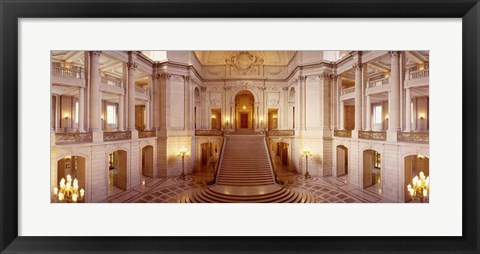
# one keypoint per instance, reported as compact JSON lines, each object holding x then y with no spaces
{"x":325,"y":76}
{"x":394,"y":53}
{"x":375,"y":135}
{"x":208,"y":133}
{"x":117,"y":135}
{"x":132,"y":66}
{"x":165,"y":75}
{"x":357,"y":66}
{"x":147,"y":134}
{"x":243,"y":61}
{"x":416,"y":137}
{"x":72,"y":138}
{"x":95,"y":53}
{"x":280,"y":133}
{"x":302,"y":78}
{"x":342,"y":133}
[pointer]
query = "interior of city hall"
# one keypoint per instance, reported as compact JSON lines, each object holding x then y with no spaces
{"x":240,"y":126}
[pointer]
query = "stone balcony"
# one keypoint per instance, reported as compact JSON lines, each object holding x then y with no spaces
{"x":116,"y":135}
{"x":208,"y":133}
{"x":342,"y":133}
{"x":414,"y":137}
{"x":147,"y":134}
{"x":373,"y":135}
{"x":73,"y":138}
{"x":284,"y":133}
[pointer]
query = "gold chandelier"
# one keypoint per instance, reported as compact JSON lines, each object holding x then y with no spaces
{"x":419,"y":188}
{"x":68,"y":191}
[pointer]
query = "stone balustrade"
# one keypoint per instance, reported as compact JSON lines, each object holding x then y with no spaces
{"x":112,"y":81}
{"x":147,"y":134}
{"x":208,"y":133}
{"x":72,"y":138}
{"x":425,"y":73}
{"x":416,"y":137}
{"x":375,"y":135}
{"x":117,"y":135}
{"x":378,"y":82}
{"x":342,"y":133}
{"x":68,"y":72}
{"x":348,"y":90}
{"x":281,"y":133}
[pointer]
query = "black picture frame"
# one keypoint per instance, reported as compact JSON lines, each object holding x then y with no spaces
{"x":11,"y":11}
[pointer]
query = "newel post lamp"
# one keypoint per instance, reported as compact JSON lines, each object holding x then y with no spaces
{"x":305,"y":153}
{"x":182,"y":153}
{"x":419,"y":187}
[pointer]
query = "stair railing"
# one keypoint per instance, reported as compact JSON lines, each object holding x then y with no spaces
{"x":270,"y":160}
{"x":220,"y":159}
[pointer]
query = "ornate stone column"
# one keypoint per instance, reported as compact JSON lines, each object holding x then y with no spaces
{"x":147,"y":118}
{"x":302,"y":84}
{"x":358,"y":96}
{"x":95,"y":103}
{"x":132,"y":67}
{"x":58,"y":112}
{"x":121,"y":112}
{"x":368,"y":124}
{"x":81,"y":109}
{"x":342,"y":117}
{"x":338,"y":102}
{"x":394,"y":95}
{"x":408,"y":116}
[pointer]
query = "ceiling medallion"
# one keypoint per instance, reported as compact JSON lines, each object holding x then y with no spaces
{"x":243,"y":61}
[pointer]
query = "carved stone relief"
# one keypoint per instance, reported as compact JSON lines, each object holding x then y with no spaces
{"x":215,"y":99}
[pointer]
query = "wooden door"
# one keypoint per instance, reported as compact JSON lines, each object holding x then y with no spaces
{"x":244,"y":121}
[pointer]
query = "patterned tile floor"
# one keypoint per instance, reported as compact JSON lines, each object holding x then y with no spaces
{"x":325,"y":189}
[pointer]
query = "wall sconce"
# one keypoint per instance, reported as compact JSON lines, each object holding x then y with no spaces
{"x":214,"y":117}
{"x":68,"y":157}
{"x":421,"y":157}
{"x":103,"y":118}
{"x":244,"y":107}
{"x":274,"y":117}
{"x":66,"y":116}
{"x":386,"y":118}
{"x":387,"y":75}
{"x":421,"y":116}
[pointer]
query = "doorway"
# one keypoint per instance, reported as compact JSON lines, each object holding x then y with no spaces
{"x":372,"y":163}
{"x":243,"y":120}
{"x":342,"y":160}
{"x":117,"y":172}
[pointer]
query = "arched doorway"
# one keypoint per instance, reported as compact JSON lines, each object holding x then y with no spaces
{"x":342,"y":160}
{"x":280,"y":153}
{"x":209,"y":157}
{"x":147,"y":161}
{"x":75,"y":166}
{"x":413,"y":165}
{"x":244,"y":110}
{"x":117,"y":172}
{"x":372,"y":166}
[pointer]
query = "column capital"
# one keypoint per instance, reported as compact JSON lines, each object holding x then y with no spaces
{"x":164,"y":75}
{"x":302,"y":78}
{"x":325,"y":76}
{"x":132,"y":66}
{"x":187,"y":78}
{"x":357,"y":66}
{"x":95,"y":53}
{"x":394,"y":53}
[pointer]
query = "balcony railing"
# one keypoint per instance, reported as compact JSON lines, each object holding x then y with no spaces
{"x":68,"y":72}
{"x":280,"y":133}
{"x":72,"y":138}
{"x":378,"y":82}
{"x":342,"y":133}
{"x":419,"y":74}
{"x":142,"y":91}
{"x":348,"y":90}
{"x":375,"y":135}
{"x":147,"y":134}
{"x":416,"y":137}
{"x":208,"y":133}
{"x":111,"y":81}
{"x":117,"y":135}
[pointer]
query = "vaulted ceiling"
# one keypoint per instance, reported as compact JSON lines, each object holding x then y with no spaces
{"x":268,"y":57}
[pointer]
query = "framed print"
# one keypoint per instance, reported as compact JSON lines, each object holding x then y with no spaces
{"x":239,"y":127}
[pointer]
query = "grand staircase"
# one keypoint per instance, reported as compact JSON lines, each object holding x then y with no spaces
{"x":245,"y":162}
{"x":245,"y":175}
